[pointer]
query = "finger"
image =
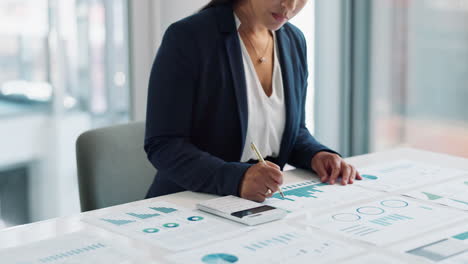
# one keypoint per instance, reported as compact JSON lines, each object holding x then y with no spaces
{"x":336,"y":169}
{"x":352,"y":176}
{"x":259,"y":197}
{"x":346,"y":174}
{"x":273,"y":165}
{"x":272,"y":186}
{"x":275,"y":175}
{"x":321,"y":172}
{"x":264,"y":189}
{"x":358,"y":175}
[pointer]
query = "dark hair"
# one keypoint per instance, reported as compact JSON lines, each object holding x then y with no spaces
{"x":214,"y":3}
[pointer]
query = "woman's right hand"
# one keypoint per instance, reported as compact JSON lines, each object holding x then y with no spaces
{"x":259,"y":179}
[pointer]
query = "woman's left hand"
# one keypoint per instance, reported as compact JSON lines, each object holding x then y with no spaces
{"x":330,"y":166}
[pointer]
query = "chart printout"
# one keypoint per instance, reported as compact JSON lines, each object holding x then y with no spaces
{"x":448,"y":246}
{"x":386,"y":220}
{"x":452,"y":193}
{"x":166,"y":225}
{"x":78,"y":247}
{"x":403,"y":174}
{"x":374,"y":258}
{"x":314,"y":194}
{"x":276,"y":244}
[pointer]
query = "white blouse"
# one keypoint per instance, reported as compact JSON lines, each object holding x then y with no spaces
{"x":266,"y":115}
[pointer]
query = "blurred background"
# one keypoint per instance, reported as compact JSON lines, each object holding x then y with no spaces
{"x":383,"y":74}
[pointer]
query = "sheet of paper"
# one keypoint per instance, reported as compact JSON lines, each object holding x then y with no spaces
{"x":452,"y":193}
{"x":79,"y":247}
{"x":167,"y":225}
{"x":403,"y":174}
{"x":449,"y":246}
{"x":314,"y":194}
{"x":270,"y":244}
{"x":374,"y":258}
{"x":386,"y":220}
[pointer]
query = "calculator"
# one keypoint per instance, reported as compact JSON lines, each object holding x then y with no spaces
{"x":242,"y":210}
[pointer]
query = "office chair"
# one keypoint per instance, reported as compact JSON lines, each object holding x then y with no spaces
{"x":112,"y":166}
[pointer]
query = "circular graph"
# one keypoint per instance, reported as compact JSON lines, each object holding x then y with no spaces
{"x":171,"y":225}
{"x":370,"y":210}
{"x":394,"y":203}
{"x":151,"y":230}
{"x":346,"y":217}
{"x":369,"y":177}
{"x":219,"y":258}
{"x":195,"y":218}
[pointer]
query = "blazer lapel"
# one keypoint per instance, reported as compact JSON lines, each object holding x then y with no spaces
{"x":227,"y":27}
{"x":284,"y":47}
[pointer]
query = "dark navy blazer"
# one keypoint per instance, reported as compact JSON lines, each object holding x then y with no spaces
{"x":197,"y":105}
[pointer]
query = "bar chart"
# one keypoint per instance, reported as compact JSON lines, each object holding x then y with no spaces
{"x":313,"y":194}
{"x":452,"y":193}
{"x":166,"y":225}
{"x":385,"y":221}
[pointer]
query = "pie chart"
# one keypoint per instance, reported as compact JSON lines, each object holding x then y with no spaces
{"x":151,"y":230}
{"x":195,"y":218}
{"x":171,"y":225}
{"x":219,"y":258}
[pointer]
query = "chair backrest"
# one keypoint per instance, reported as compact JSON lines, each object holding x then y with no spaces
{"x":112,"y":166}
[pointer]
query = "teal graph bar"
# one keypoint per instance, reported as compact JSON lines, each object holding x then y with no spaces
{"x":164,"y":209}
{"x":298,"y":191}
{"x":462,"y":236}
{"x":118,"y":222}
{"x":250,"y":248}
{"x":71,"y":253}
{"x":143,"y":216}
{"x":280,"y":239}
{"x":390,"y":219}
{"x":458,"y":201}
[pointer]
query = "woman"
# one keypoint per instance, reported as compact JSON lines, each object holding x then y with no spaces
{"x":233,"y":73}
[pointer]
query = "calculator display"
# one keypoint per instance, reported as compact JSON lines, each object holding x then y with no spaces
{"x":252,"y":211}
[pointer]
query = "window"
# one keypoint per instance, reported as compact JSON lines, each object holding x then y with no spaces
{"x":305,"y":21}
{"x":63,"y":70}
{"x":24,"y":73}
{"x":419,"y":75}
{"x":73,"y":51}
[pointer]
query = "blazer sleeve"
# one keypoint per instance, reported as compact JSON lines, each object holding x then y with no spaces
{"x":305,"y":145}
{"x":168,"y":146}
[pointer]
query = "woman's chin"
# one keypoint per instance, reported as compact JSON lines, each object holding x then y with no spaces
{"x":275,"y":26}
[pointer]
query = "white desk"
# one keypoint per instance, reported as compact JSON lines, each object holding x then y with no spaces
{"x":24,"y":234}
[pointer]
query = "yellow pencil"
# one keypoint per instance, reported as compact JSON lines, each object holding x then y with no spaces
{"x":260,"y":158}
